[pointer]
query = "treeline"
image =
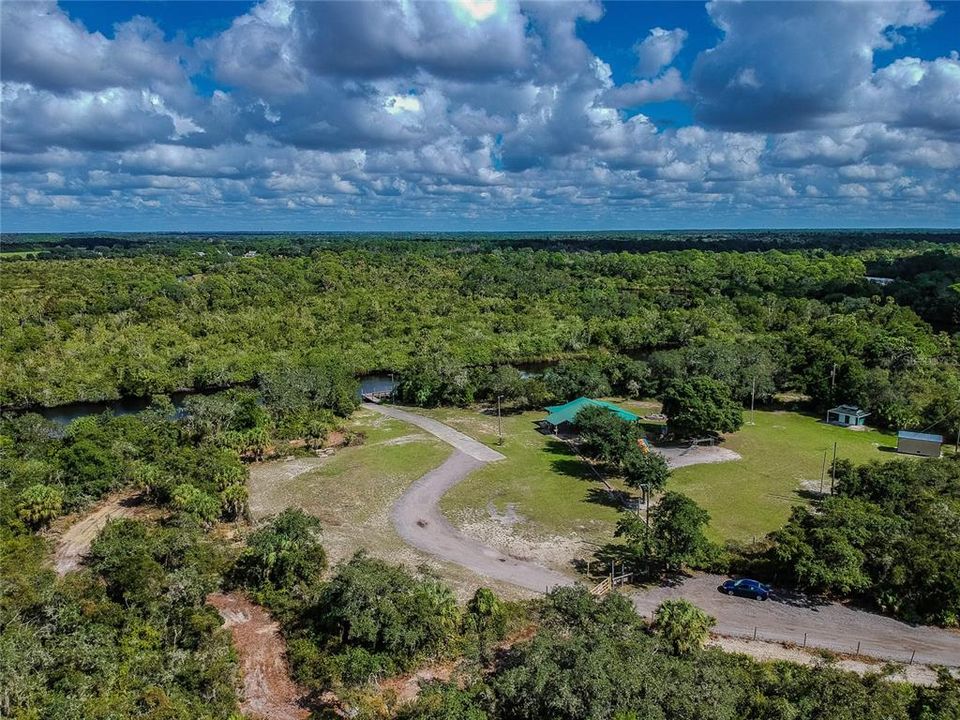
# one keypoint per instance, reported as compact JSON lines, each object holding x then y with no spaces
{"x":890,"y":536}
{"x":804,"y":321}
{"x":130,"y":634}
{"x":129,"y":637}
{"x":598,"y":241}
{"x":191,"y":460}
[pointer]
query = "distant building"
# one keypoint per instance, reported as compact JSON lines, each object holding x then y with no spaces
{"x":562,"y":417}
{"x":250,"y":254}
{"x":847,"y":415}
{"x":915,"y":443}
{"x":879,"y":280}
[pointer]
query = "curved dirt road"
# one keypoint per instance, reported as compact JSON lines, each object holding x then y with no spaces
{"x":418,"y":520}
{"x":830,"y":626}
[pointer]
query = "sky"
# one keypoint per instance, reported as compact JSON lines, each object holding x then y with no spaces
{"x":478,"y":115}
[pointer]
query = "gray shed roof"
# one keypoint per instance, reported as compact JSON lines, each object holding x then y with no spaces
{"x":926,"y":437}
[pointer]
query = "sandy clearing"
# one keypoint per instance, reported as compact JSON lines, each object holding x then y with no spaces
{"x":765,"y":651}
{"x":74,"y":543}
{"x":678,"y":457}
{"x":268,"y":691}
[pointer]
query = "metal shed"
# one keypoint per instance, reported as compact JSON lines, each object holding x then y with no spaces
{"x":915,"y":443}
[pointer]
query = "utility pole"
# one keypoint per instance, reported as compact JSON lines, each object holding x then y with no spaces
{"x":499,"y":420}
{"x":646,"y":544}
{"x":833,"y":469}
{"x":823,"y":470}
{"x":833,"y":377}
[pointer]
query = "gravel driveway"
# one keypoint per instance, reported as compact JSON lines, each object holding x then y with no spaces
{"x":830,"y":626}
{"x":418,"y":520}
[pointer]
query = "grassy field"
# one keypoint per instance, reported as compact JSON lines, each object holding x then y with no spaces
{"x":553,"y":494}
{"x":353,"y":490}
{"x":18,"y":254}
{"x":750,"y":497}
{"x":546,"y":486}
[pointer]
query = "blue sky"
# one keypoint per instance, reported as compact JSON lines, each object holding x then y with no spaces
{"x":479,"y":115}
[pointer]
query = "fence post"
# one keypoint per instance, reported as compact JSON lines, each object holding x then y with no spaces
{"x":912,"y":656}
{"x":858,"y":649}
{"x":754,"y":632}
{"x":804,"y":639}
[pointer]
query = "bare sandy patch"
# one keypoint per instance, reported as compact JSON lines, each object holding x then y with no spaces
{"x":677,"y":457}
{"x":759,"y":650}
{"x":74,"y":543}
{"x":268,"y":691}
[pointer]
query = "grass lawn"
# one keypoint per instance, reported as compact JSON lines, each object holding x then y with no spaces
{"x":547,"y":486}
{"x":353,"y":490}
{"x":753,"y":496}
{"x":746,"y":498}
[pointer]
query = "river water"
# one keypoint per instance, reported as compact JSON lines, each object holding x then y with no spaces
{"x":66,"y":414}
{"x":373,"y":382}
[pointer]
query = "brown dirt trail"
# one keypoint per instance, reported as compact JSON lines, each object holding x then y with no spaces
{"x":74,"y":543}
{"x":268,"y":691}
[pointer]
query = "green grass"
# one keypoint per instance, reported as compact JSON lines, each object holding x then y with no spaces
{"x":549,"y":487}
{"x":361,"y":482}
{"x":753,"y":496}
{"x":18,"y":253}
{"x":746,"y":498}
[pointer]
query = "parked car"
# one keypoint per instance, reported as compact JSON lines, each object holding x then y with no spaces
{"x":746,"y":587}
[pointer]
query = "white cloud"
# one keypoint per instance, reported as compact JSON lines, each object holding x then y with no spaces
{"x":668,"y":86}
{"x":658,"y":50}
{"x":486,"y":110}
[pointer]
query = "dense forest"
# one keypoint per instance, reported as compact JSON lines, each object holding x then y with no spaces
{"x":282,"y":326}
{"x":153,"y":318}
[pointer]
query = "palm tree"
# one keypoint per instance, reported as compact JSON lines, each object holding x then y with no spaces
{"x":682,"y":625}
{"x":39,"y":504}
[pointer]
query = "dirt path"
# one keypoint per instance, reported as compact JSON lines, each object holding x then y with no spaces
{"x":464,"y":443}
{"x":74,"y":543}
{"x":418,"y":520}
{"x":268,"y":691}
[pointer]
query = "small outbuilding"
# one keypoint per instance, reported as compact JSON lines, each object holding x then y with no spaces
{"x":847,"y":415}
{"x":915,"y":443}
{"x":562,"y":417}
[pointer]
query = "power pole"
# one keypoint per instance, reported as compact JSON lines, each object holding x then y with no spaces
{"x":823,"y":470}
{"x":646,"y":543}
{"x":499,"y":420}
{"x":833,"y":469}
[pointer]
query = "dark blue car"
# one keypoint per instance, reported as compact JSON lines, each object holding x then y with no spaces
{"x":746,"y":588}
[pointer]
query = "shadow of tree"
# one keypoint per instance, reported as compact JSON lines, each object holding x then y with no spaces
{"x":574,"y":468}
{"x":616,"y":499}
{"x":795,"y":598}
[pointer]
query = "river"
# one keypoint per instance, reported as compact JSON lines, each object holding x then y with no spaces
{"x":66,"y":414}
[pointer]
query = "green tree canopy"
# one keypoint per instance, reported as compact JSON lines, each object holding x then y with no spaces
{"x":701,"y":406}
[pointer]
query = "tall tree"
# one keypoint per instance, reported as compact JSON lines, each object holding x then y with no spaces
{"x":701,"y":406}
